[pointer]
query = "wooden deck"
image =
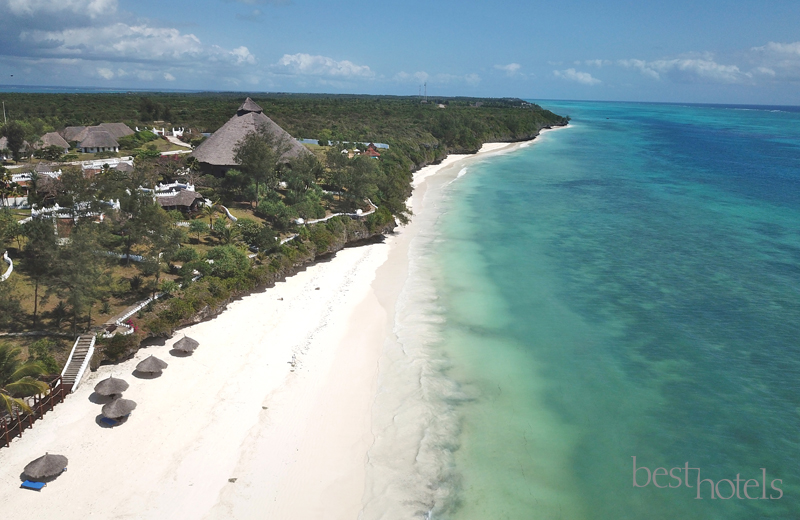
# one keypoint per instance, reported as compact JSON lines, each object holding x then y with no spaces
{"x":13,"y":426}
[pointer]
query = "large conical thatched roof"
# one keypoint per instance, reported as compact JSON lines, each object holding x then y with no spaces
{"x":48,"y":465}
{"x":217,"y":150}
{"x":249,"y":106}
{"x":151,"y":365}
{"x":118,"y":408}
{"x":111,"y":386}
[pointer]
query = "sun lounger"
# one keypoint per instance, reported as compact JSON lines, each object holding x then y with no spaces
{"x":114,"y":422}
{"x":36,"y":486}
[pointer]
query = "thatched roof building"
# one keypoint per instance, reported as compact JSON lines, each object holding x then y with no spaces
{"x":52,"y":139}
{"x":98,"y":141}
{"x":79,"y":133}
{"x":215,"y":154}
{"x":116,"y":129}
{"x":184,"y":200}
{"x":70,"y":133}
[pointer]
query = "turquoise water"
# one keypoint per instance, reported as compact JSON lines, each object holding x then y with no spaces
{"x":629,"y":286}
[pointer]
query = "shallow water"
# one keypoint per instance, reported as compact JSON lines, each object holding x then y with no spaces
{"x":629,"y":286}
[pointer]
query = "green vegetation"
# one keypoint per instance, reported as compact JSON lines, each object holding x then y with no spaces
{"x":137,"y":140}
{"x":18,"y":379}
{"x":73,"y":274}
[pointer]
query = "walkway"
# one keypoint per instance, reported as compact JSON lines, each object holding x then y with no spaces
{"x":177,"y":142}
{"x":78,"y":361}
{"x":6,"y":259}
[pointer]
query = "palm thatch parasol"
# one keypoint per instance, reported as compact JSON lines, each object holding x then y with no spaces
{"x":186,"y":344}
{"x":118,"y":408}
{"x":48,"y":465}
{"x":111,"y":386}
{"x":151,"y":365}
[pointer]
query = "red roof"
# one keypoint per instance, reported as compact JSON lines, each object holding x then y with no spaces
{"x":371,"y":152}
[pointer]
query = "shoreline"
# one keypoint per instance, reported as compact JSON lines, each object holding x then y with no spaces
{"x":296,"y":441}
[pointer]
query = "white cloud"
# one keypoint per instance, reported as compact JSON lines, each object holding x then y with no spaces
{"x":106,"y":44}
{"x":689,"y":69}
{"x":641,"y":66}
{"x":791,"y":49}
{"x":779,"y":61}
{"x":472,"y":79}
{"x":417,"y":77}
{"x":242,"y":55}
{"x":136,"y":42}
{"x":169,"y":77}
{"x":595,"y":63}
{"x":307,"y":65}
{"x":511,"y":69}
{"x":580,"y":77}
{"x":92,"y":8}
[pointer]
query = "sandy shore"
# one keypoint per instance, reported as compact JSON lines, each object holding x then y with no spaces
{"x":234,"y":431}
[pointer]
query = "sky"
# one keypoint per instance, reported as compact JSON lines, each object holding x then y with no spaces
{"x":693,"y":51}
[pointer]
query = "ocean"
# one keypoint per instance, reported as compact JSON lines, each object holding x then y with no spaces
{"x":625,"y":287}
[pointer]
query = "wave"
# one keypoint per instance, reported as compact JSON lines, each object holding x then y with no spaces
{"x":416,"y":424}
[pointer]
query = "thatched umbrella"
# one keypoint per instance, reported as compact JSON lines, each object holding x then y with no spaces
{"x":151,"y":365}
{"x":118,"y":408}
{"x":186,"y":344}
{"x":111,"y":386}
{"x":48,"y":465}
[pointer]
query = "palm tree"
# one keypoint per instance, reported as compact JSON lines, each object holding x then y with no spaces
{"x":17,"y":379}
{"x":209,"y":210}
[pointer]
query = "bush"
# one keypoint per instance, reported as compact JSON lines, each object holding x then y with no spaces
{"x":119,"y":346}
{"x":186,"y":254}
{"x":229,"y":262}
{"x":278,"y":213}
{"x":177,"y":310}
{"x":41,"y":351}
{"x":257,"y":235}
{"x":379,"y":219}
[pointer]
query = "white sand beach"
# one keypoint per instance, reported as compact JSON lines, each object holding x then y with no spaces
{"x":234,"y":430}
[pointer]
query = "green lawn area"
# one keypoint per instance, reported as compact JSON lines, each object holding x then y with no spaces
{"x":243,"y":210}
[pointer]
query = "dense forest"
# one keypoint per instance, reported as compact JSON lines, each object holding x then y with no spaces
{"x":75,"y":274}
{"x":423,"y":132}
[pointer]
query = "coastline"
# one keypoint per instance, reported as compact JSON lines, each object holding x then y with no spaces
{"x":298,"y":442}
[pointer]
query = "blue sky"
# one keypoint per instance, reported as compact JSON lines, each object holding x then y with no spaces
{"x":735,"y":51}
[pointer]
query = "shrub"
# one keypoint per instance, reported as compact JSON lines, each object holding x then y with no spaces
{"x":276,"y":212}
{"x":229,"y":262}
{"x":186,"y":254}
{"x":41,"y":351}
{"x":119,"y":346}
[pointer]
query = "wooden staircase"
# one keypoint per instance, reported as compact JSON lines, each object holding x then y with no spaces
{"x":78,"y":361}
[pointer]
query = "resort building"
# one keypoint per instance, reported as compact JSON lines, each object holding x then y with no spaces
{"x":90,"y":143}
{"x":52,"y":139}
{"x":98,"y":141}
{"x":184,"y":201}
{"x":5,"y":153}
{"x":215,"y":154}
